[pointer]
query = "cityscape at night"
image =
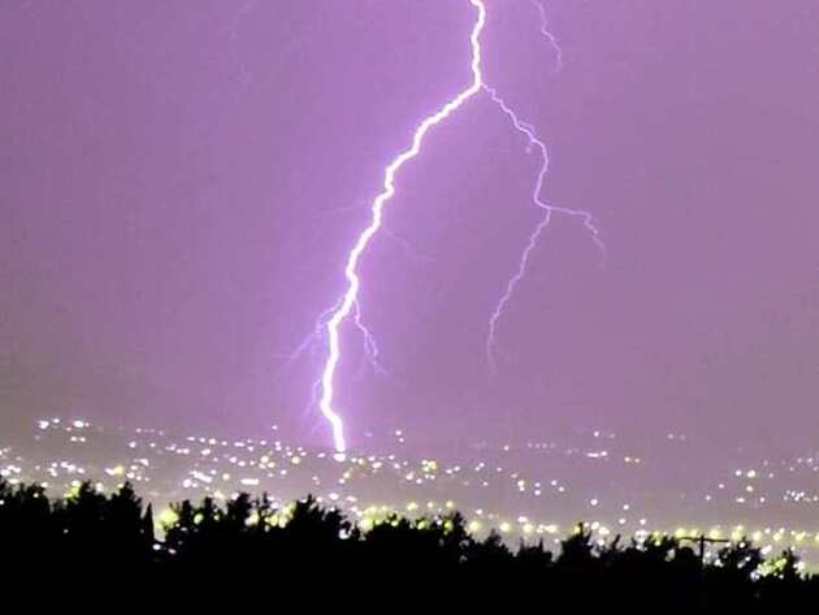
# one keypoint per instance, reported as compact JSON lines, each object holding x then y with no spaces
{"x":526,"y":490}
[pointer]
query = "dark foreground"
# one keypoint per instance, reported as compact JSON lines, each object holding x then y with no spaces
{"x":93,"y":538}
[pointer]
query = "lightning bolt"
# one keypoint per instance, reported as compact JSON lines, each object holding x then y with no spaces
{"x":548,"y":35}
{"x":370,"y":345}
{"x":533,"y":142}
{"x":333,"y":319}
{"x":350,"y":297}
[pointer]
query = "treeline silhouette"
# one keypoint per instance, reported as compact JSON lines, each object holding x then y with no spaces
{"x":89,"y":536}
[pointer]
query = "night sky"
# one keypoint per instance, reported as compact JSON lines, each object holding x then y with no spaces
{"x":180,"y":183}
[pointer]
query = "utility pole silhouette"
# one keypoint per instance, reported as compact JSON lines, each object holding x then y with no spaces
{"x":702,"y":540}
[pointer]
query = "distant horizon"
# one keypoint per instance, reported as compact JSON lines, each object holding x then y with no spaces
{"x":388,"y":436}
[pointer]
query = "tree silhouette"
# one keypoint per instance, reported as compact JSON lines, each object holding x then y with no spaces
{"x":248,"y":542}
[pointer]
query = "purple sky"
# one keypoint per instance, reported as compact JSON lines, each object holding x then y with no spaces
{"x":180,"y":183}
